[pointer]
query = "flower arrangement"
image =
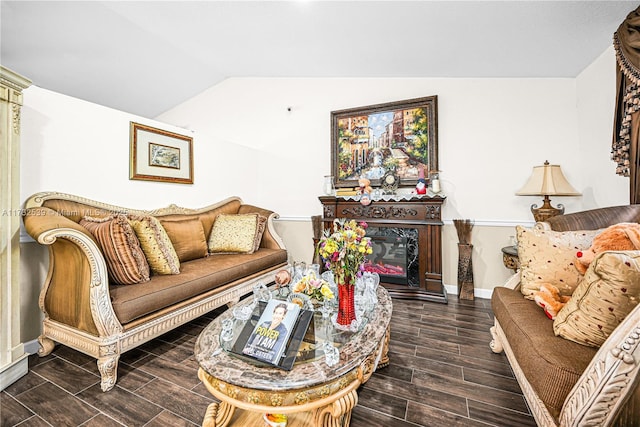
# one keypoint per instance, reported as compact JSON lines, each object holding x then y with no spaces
{"x":314,"y":287}
{"x":345,"y":249}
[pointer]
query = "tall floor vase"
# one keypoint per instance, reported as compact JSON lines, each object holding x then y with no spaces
{"x":346,"y":304}
{"x":465,"y":271}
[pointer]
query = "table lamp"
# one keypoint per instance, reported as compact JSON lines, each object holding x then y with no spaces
{"x":547,"y":180}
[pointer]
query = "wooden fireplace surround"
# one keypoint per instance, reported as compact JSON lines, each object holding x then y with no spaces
{"x":421,"y":213}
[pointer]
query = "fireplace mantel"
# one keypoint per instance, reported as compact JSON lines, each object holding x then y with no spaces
{"x":420,"y":213}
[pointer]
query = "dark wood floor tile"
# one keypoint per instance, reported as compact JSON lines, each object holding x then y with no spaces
{"x":166,"y":418}
{"x":427,"y":415}
{"x":182,"y":373}
{"x":499,"y":416}
{"x":56,"y":406}
{"x":170,"y":351}
{"x":432,"y":345}
{"x":491,"y":380}
{"x":73,"y":356}
{"x":477,"y":335}
{"x":12,"y":412}
{"x":468,"y":390}
{"x":479,"y":317}
{"x":123,"y":406}
{"x":426,"y":342}
{"x":456,"y":360}
{"x":25,"y":383}
{"x":66,"y":375}
{"x":405,"y":329}
{"x":362,"y":416}
{"x":451,"y":337}
{"x":131,"y":378}
{"x":400,"y":346}
{"x":415,"y":362}
{"x":202,"y":391}
{"x":390,"y":405}
{"x":178,"y":400}
{"x":133,"y":355}
{"x":102,"y":420}
{"x":412,"y":392}
{"x":394,"y":370}
{"x":34,"y":421}
{"x":35,"y":360}
{"x":193,"y":329}
{"x":482,"y":351}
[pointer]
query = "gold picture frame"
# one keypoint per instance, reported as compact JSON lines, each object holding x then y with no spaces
{"x":160,"y":155}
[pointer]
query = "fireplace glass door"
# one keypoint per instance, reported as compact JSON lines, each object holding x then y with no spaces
{"x":395,"y":255}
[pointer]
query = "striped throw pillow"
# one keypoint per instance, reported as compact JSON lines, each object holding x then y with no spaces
{"x":126,"y":262}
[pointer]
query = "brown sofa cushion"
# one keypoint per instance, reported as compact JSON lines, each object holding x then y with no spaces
{"x":126,"y":263}
{"x":551,"y":364}
{"x":195,"y":278}
{"x":187,"y":237}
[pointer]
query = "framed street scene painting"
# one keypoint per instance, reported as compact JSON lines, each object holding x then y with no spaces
{"x":159,"y":155}
{"x":401,"y":137}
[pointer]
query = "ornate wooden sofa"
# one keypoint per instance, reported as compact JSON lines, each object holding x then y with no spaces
{"x":566,"y":383}
{"x":85,"y":310}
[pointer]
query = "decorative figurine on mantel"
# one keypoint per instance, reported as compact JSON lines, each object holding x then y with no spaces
{"x":365,"y":191}
{"x":421,"y":186}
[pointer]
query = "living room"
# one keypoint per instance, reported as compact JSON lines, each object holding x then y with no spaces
{"x":267,"y":139}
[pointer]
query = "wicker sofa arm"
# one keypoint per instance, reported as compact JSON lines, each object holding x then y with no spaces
{"x":76,"y":290}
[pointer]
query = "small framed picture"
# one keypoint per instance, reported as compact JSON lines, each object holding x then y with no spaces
{"x":159,"y":155}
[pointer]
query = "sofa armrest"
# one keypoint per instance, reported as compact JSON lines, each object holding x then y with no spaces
{"x":609,"y":380}
{"x":270,"y":238}
{"x":76,"y":289}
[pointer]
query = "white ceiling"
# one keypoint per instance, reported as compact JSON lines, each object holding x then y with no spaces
{"x":145,"y":57}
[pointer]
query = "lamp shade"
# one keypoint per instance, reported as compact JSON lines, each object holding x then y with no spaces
{"x":547,"y":180}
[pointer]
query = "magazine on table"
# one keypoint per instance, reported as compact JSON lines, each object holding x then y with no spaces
{"x":274,"y":341}
{"x":269,"y":338}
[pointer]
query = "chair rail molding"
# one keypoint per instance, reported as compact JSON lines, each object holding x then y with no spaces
{"x":13,"y":359}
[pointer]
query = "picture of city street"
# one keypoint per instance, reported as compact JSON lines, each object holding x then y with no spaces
{"x":399,"y":136}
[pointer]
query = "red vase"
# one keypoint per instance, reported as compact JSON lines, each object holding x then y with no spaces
{"x":346,"y":306}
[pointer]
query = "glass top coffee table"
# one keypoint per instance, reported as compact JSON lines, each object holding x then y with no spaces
{"x":312,"y":392}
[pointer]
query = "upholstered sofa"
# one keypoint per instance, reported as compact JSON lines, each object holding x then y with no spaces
{"x":87,"y":309}
{"x":567,"y":383}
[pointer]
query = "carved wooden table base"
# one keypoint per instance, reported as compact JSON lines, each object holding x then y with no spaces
{"x":325,"y":405}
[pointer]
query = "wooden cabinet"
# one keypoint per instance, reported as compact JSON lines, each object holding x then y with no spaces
{"x":417,"y":218}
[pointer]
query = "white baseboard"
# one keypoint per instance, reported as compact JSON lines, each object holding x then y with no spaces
{"x":14,"y":371}
{"x":480,"y":293}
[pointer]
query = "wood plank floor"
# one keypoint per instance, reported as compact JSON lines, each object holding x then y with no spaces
{"x":442,"y":373}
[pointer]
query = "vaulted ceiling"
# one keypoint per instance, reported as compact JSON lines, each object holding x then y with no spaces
{"x":145,"y":57}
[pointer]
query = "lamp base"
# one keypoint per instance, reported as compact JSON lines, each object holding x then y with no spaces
{"x":546,"y":211}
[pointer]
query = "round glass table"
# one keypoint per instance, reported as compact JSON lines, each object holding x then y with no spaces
{"x":312,"y":392}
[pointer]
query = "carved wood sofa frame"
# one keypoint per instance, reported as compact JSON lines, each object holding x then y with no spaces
{"x":608,"y":392}
{"x":65,"y":238}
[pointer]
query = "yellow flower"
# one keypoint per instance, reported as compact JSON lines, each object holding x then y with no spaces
{"x":326,"y":292}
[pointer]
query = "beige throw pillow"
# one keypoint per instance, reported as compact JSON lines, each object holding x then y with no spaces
{"x":126,"y":262}
{"x":156,"y":245}
{"x":548,"y":256}
{"x":234,"y":234}
{"x":609,"y":291}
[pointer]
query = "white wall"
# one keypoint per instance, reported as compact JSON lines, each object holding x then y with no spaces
{"x":491,"y":133}
{"x":246,"y":143}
